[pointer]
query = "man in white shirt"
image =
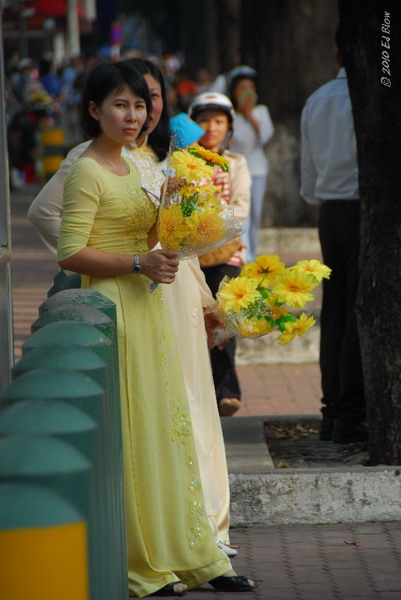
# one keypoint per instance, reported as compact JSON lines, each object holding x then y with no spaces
{"x":329,"y":174}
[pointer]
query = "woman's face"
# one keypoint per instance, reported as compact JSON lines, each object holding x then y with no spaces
{"x":157,"y":101}
{"x":243,"y":88}
{"x":121,"y":115}
{"x":216,"y":127}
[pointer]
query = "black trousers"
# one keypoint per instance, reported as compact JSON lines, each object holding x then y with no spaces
{"x":223,"y":361}
{"x":340,"y":357}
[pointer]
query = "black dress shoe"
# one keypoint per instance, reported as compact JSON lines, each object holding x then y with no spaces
{"x":326,"y":428}
{"x":348,"y":432}
{"x":235,"y":583}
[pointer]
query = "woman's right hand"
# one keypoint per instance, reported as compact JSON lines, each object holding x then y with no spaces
{"x":160,"y":265}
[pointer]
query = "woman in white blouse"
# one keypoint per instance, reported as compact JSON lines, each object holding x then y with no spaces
{"x":253,"y":129}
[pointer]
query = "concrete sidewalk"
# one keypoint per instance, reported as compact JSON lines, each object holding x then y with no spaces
{"x":317,"y":562}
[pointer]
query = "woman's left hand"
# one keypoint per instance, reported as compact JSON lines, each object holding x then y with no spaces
{"x":211,"y":322}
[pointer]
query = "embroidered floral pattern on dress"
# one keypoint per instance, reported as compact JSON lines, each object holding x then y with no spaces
{"x":194,"y":533}
{"x":181,"y":431}
{"x":144,"y":210}
{"x":189,"y":457}
{"x":197,"y":506}
{"x":195,"y":485}
{"x":181,"y":426}
{"x":151,"y":178}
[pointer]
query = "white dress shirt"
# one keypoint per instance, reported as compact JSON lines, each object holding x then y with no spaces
{"x":329,"y":167}
{"x":246,"y":141}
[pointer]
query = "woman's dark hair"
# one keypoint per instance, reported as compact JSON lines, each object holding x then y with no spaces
{"x":102,"y":80}
{"x":159,"y":139}
{"x":233,"y":85}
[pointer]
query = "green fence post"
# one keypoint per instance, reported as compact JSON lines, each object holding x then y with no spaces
{"x":71,"y":357}
{"x":90,"y":298}
{"x":76,"y":312}
{"x":90,"y":315}
{"x":50,"y":462}
{"x":59,"y":276}
{"x":68,"y":423}
{"x":64,"y":283}
{"x":57,"y":419}
{"x":80,"y":390}
{"x":81,"y":296}
{"x":66,"y":356}
{"x":93,"y":299}
{"x":75,"y":333}
{"x":43,"y":545}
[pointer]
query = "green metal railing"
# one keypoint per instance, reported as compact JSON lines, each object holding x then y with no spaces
{"x":64,"y":396}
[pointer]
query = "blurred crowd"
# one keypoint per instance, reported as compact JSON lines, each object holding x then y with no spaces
{"x":42,"y":96}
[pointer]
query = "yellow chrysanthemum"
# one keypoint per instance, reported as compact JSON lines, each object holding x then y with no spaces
{"x":254,"y":327}
{"x":296,"y":328}
{"x":189,"y":189}
{"x":206,"y":193}
{"x":207,"y":227}
{"x":189,"y":167}
{"x":210,"y":157}
{"x":313,"y":267}
{"x":293,"y":288}
{"x":237,"y":293}
{"x":266,"y":268}
{"x":275,"y":311}
{"x":172,"y":227}
{"x":286,"y":337}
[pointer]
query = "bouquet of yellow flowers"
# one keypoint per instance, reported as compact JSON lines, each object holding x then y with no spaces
{"x":192,"y":218}
{"x":258,"y":301}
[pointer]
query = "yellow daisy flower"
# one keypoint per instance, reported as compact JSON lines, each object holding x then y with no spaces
{"x":189,"y":167}
{"x":275,"y":311}
{"x":293,"y":288}
{"x":313,"y":267}
{"x":266,"y":268}
{"x":296,"y":328}
{"x":209,"y":156}
{"x":207,"y":193}
{"x":302,"y":324}
{"x":236,"y":294}
{"x":172,"y":227}
{"x":207,"y":227}
{"x":254,"y":327}
{"x":189,"y":189}
{"x":286,"y":338}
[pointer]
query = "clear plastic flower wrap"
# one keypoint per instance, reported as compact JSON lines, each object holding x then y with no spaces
{"x":192,"y":218}
{"x":258,"y":302}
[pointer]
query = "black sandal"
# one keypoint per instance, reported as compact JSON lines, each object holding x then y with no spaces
{"x":168,"y":590}
{"x":235,"y":583}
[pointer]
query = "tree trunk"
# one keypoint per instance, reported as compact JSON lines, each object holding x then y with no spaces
{"x":291,"y":44}
{"x":370,"y":45}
